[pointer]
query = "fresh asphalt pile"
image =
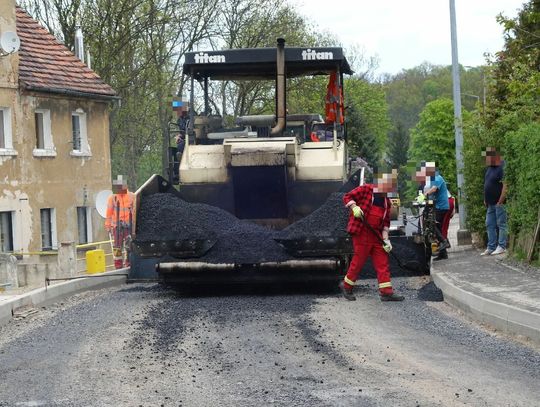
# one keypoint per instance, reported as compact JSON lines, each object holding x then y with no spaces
{"x":165,"y":217}
{"x":330,"y":220}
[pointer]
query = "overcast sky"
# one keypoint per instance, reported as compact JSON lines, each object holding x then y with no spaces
{"x":403,"y":34}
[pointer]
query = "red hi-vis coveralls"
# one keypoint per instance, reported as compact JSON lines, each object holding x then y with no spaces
{"x":365,"y":243}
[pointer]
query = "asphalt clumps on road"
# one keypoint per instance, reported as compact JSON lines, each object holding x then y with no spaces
{"x":329,"y":220}
{"x":430,"y":292}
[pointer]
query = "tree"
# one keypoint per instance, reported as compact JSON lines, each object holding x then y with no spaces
{"x":408,"y":92}
{"x":136,"y":46}
{"x":367,"y":119}
{"x":432,"y":139}
{"x":397,"y":155}
{"x":363,"y":142}
{"x":510,"y":123}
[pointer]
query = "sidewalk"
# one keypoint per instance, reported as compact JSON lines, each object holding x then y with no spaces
{"x":14,"y":299}
{"x":490,"y":289}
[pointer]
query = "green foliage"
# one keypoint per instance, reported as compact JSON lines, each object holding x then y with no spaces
{"x":362,"y":141}
{"x":409,"y":91}
{"x":367,"y":119}
{"x":433,"y":139}
{"x":511,"y":123}
{"x":475,"y":140}
{"x":397,"y":156}
{"x":523,"y":176}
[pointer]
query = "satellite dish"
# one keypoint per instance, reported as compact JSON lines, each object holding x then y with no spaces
{"x":101,"y":202}
{"x":9,"y":42}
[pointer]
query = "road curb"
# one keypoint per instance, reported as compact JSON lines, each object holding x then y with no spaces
{"x":48,"y":295}
{"x":504,"y":317}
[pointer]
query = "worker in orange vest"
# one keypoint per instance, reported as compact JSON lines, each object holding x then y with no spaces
{"x":119,"y":221}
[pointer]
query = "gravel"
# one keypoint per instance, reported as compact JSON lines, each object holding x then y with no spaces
{"x":146,"y":345}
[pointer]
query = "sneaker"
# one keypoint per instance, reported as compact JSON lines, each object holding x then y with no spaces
{"x":486,"y":252}
{"x":499,"y":250}
{"x":391,"y":297}
{"x":347,"y":292}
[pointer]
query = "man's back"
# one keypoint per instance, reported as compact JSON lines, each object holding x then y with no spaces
{"x":441,"y":196}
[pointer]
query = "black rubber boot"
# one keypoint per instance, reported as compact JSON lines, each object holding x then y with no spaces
{"x":391,"y":297}
{"x":347,"y":292}
{"x":442,"y":256}
{"x":442,"y":248}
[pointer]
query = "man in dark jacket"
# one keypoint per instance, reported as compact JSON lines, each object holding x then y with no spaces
{"x":369,"y":224}
{"x":494,"y":200}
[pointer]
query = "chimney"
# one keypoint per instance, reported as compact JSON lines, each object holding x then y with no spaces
{"x":79,"y":43}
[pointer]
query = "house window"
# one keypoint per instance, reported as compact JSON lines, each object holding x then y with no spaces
{"x":48,"y":229}
{"x":76,"y":129}
{"x":44,"y":141}
{"x":84,"y":222}
{"x":79,"y":135}
{"x":6,"y":232}
{"x":6,"y":141}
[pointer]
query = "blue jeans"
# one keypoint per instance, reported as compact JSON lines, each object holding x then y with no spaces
{"x":496,"y":220}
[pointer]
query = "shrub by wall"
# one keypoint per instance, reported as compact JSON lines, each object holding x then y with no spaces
{"x":523,"y":178}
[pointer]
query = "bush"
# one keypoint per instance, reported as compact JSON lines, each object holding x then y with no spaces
{"x":523,"y":177}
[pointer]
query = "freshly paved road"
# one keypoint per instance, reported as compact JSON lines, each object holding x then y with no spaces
{"x":146,"y":345}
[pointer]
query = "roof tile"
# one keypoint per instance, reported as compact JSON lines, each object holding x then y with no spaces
{"x":46,"y":64}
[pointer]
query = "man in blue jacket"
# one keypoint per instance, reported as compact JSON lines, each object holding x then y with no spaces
{"x":438,"y":192}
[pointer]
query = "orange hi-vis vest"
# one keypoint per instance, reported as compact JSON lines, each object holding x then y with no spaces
{"x":334,"y":100}
{"x":119,"y":208}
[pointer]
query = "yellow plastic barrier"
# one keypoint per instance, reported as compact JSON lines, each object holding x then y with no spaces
{"x":95,"y":261}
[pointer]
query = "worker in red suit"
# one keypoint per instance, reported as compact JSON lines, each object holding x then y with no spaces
{"x":119,"y":221}
{"x":369,"y":204}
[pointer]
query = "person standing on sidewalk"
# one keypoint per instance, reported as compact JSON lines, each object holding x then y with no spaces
{"x":369,"y":223}
{"x":438,"y":192}
{"x":119,"y":221}
{"x":494,"y":200}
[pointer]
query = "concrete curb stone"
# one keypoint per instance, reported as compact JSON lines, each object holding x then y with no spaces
{"x":48,"y":295}
{"x":506,"y":317}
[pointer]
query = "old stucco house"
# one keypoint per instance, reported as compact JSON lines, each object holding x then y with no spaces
{"x":54,"y":146}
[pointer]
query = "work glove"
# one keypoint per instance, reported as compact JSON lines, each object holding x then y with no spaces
{"x":387,"y":246}
{"x":357,"y":212}
{"x":421,"y":198}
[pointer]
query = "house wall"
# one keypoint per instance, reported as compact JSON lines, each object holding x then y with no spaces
{"x":57,"y":177}
{"x":9,"y":65}
{"x":64,"y":181}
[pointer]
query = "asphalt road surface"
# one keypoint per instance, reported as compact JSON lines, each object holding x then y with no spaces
{"x":147,"y":345}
